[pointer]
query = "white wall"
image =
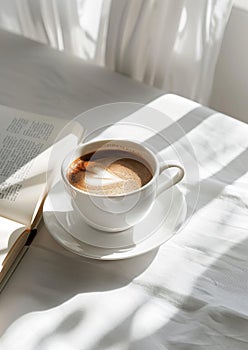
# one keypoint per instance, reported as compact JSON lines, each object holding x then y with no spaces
{"x":230,"y":90}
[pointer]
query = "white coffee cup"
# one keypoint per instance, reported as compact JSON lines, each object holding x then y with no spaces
{"x":119,"y":212}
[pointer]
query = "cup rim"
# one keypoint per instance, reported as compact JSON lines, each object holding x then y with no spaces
{"x":65,"y":179}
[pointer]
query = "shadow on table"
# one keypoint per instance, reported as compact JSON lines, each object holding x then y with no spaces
{"x":213,"y":186}
{"x":52,"y":278}
{"x":213,"y":316}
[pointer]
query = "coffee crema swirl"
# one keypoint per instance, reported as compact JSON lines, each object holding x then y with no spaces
{"x":109,"y":172}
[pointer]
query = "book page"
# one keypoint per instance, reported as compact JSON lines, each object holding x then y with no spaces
{"x":10,"y":231}
{"x":25,"y":146}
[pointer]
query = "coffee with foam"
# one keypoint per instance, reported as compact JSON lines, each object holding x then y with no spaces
{"x":109,"y":172}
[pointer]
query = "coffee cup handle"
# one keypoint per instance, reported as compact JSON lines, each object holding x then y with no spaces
{"x":174,"y":179}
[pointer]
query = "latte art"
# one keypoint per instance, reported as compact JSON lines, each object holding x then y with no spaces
{"x":109,"y":172}
{"x":96,"y":176}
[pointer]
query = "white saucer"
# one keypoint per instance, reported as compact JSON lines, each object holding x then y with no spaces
{"x":67,"y":227}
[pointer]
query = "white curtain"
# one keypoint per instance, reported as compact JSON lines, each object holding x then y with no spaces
{"x":69,"y":25}
{"x":170,"y":44}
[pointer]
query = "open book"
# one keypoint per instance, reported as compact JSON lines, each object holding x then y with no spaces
{"x":28,"y":144}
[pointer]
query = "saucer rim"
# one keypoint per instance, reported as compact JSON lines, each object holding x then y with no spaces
{"x":122,"y":253}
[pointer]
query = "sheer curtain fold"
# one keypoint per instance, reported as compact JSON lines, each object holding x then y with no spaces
{"x":170,"y":44}
{"x":173,"y":45}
